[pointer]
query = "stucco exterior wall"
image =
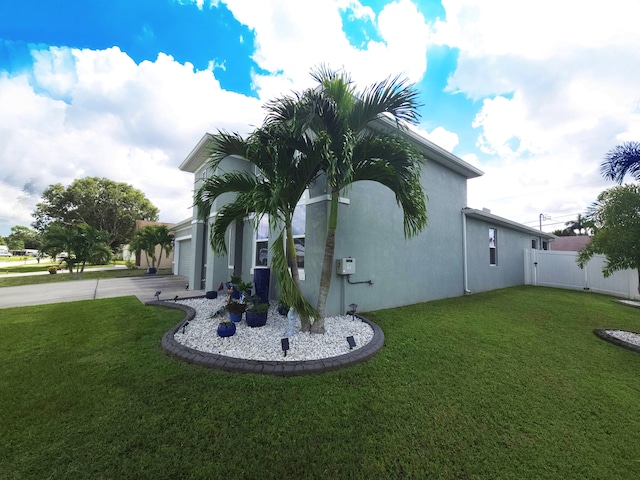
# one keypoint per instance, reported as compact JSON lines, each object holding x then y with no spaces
{"x":509,"y":270}
{"x":371,"y":230}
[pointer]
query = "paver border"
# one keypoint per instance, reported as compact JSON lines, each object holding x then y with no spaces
{"x":279,"y":368}
{"x":602,"y":334}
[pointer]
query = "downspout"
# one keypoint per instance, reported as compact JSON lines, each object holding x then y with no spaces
{"x":465,"y":268}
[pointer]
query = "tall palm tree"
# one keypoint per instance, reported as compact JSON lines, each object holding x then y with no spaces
{"x":622,"y":160}
{"x":276,"y":150}
{"x":579,"y":224}
{"x":340,"y":119}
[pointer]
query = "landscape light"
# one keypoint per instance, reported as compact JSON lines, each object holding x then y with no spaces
{"x":351,"y":341}
{"x":285,"y":345}
{"x":353,"y":307}
{"x":184,"y":325}
{"x":157,"y":294}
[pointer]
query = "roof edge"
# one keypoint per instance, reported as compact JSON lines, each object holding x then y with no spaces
{"x":486,"y":216}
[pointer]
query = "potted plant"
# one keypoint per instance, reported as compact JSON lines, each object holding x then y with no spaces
{"x":226,"y":329}
{"x":232,"y":286}
{"x":235,"y":309}
{"x":53,"y":270}
{"x":256,"y":315}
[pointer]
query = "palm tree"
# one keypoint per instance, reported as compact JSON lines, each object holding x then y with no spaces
{"x":622,"y":160}
{"x":148,"y":238}
{"x":276,"y":150}
{"x":340,"y":119}
{"x":579,"y":224}
{"x":82,"y":242}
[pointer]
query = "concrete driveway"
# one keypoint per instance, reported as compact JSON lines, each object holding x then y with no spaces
{"x":143,"y":287}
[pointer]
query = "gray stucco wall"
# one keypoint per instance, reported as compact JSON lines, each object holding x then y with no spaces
{"x":370,"y":229}
{"x":509,"y":270}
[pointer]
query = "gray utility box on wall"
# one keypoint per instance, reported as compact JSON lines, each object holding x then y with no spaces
{"x":346,"y":266}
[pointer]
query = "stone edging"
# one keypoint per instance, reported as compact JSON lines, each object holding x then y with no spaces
{"x":602,"y":333}
{"x":284,"y":369}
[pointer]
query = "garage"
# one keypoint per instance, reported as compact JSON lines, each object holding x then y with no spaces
{"x":184,"y":257}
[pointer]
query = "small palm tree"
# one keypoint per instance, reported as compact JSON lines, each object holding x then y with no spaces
{"x":352,"y":150}
{"x":148,"y":238}
{"x":285,"y":172}
{"x":622,"y":160}
{"x":580,"y":224}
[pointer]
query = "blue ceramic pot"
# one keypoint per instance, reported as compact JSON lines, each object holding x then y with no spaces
{"x":226,"y":330}
{"x":235,"y":317}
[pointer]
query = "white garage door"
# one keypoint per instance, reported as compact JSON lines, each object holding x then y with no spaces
{"x":184,"y":257}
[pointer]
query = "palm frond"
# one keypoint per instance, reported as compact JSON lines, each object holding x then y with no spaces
{"x":622,"y":160}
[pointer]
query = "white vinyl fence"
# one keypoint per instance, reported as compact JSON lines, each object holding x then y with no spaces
{"x":560,"y":270}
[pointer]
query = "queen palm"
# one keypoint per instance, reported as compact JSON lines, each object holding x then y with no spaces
{"x":622,"y":160}
{"x":340,"y":119}
{"x":285,"y":172}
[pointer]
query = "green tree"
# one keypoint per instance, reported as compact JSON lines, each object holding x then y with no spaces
{"x":616,"y":219}
{"x":105,"y":205}
{"x":82,"y":242}
{"x":148,"y":238}
{"x":567,"y":232}
{"x":340,"y":118}
{"x":622,"y":160}
{"x":23,"y":237}
{"x":285,"y":172}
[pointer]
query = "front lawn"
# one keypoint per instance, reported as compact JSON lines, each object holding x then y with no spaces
{"x":510,"y":384}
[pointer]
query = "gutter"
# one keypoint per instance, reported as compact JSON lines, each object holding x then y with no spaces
{"x":465,"y":267}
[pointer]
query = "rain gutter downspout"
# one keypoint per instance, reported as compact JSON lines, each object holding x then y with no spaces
{"x":465,"y":268}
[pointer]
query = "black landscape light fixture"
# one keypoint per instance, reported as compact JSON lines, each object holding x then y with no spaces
{"x":184,"y":325}
{"x":351,"y":341}
{"x":157,"y":295}
{"x":353,"y":307}
{"x":285,"y":345}
{"x":175,"y":299}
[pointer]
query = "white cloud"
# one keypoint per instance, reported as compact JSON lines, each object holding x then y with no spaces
{"x":127,"y":122}
{"x":557,"y":87}
{"x":290,"y":41}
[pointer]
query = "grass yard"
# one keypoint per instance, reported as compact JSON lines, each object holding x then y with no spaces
{"x":510,"y":384}
{"x":67,"y":277}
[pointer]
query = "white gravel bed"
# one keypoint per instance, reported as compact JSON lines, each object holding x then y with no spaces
{"x":628,"y":337}
{"x":263,"y":343}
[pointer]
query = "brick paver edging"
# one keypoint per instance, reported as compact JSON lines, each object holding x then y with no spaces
{"x":280,"y":368}
{"x":602,"y":333}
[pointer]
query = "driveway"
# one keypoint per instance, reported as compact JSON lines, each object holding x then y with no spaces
{"x":143,"y":287}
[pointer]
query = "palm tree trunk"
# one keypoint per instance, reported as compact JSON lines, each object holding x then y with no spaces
{"x":327,"y":265}
{"x":305,"y":323}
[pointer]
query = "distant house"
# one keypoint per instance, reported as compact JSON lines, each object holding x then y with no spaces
{"x":570,"y":244}
{"x":165,"y":262}
{"x":462,"y":250}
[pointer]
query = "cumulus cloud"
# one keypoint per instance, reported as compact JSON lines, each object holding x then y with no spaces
{"x":97,"y":113}
{"x":557,"y":87}
{"x":290,"y":41}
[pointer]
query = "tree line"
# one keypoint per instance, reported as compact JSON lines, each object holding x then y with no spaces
{"x":91,"y":220}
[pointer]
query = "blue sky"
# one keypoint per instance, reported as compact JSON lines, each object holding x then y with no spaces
{"x":532,"y":94}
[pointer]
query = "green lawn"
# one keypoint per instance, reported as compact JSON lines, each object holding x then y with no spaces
{"x":66,"y":277}
{"x":510,"y":384}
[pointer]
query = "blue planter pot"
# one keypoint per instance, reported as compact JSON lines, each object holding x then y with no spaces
{"x":211,"y":294}
{"x":235,"y":317}
{"x":256,"y":319}
{"x":152,"y":271}
{"x":226,"y":330}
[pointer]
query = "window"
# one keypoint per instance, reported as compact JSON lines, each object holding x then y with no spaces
{"x":545,"y":245}
{"x":231,"y":247}
{"x":262,"y":242}
{"x":534,"y":244}
{"x":299,"y":228}
{"x":493,"y":246}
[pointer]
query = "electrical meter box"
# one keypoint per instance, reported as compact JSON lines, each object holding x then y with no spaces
{"x":346,"y":266}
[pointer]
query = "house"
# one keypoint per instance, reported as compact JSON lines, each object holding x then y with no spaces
{"x":462,"y":250}
{"x":570,"y":244}
{"x":139,"y":258}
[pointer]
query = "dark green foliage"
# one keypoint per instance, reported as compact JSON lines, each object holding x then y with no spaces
{"x":616,"y":217}
{"x":103,"y":204}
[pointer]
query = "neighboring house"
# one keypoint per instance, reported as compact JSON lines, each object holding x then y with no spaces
{"x":462,"y":250}
{"x":570,"y":244}
{"x":140,"y":260}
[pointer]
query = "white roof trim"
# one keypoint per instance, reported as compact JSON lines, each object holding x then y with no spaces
{"x":503,"y":222}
